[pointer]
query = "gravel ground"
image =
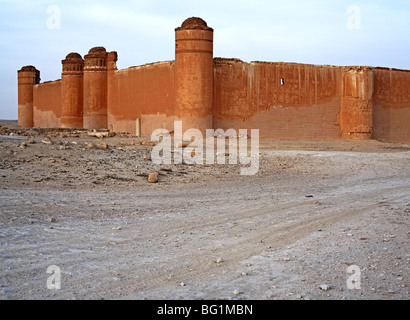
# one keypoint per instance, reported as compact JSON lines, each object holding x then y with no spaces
{"x":202,"y":232}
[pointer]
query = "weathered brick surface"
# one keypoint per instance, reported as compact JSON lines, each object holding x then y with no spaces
{"x":47,"y":105}
{"x":140,"y":91}
{"x":283,"y":100}
{"x":95,"y":89}
{"x":72,"y":91}
{"x":391,"y":99}
{"x":27,"y":77}
{"x":356,"y":114}
{"x":194,"y":74}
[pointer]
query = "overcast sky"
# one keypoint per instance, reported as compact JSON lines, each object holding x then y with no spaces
{"x":338,"y":32}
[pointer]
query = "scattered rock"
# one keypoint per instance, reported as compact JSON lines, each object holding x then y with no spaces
{"x":236,"y":292}
{"x":91,"y":145}
{"x":23,"y":145}
{"x":325,"y":287}
{"x":153,"y":177}
{"x":182,"y":284}
{"x":52,"y":220}
{"x":47,"y":140}
{"x":103,"y":145}
{"x":100,"y":135}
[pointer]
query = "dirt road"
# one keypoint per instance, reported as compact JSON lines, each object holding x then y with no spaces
{"x":203,"y":232}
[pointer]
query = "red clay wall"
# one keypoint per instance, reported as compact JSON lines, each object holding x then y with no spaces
{"x":95,"y":100}
{"x":285,"y":101}
{"x":252,"y":96}
{"x":72,"y":101}
{"x":146,"y":93}
{"x":391,"y":104}
{"x":47,"y":105}
{"x":356,"y":110}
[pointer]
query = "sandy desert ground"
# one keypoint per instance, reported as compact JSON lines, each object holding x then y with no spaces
{"x":202,"y":232}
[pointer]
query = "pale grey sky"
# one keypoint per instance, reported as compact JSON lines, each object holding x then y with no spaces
{"x":339,"y":32}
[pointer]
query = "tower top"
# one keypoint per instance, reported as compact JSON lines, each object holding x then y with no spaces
{"x":28,"y":68}
{"x":97,"y":51}
{"x":194,"y":23}
{"x":29,"y":72}
{"x":73,"y":63}
{"x":73,"y":56}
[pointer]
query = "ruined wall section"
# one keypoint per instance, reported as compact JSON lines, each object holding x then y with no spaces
{"x":145,"y":93}
{"x":356,"y":111}
{"x":47,"y":105}
{"x":283,"y":100}
{"x":391,"y":101}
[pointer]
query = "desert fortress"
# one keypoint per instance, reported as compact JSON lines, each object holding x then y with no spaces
{"x":287,"y":101}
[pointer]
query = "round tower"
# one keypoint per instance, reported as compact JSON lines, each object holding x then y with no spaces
{"x":72,"y":91}
{"x":194,"y":74}
{"x":28,"y":76}
{"x":95,"y":89}
{"x":356,"y":112}
{"x":112,"y":89}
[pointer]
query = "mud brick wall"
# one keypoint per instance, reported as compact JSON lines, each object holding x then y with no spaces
{"x":286,"y":101}
{"x":283,"y":100}
{"x":391,"y":101}
{"x":47,"y":105}
{"x":356,"y":111}
{"x":138,"y":92}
